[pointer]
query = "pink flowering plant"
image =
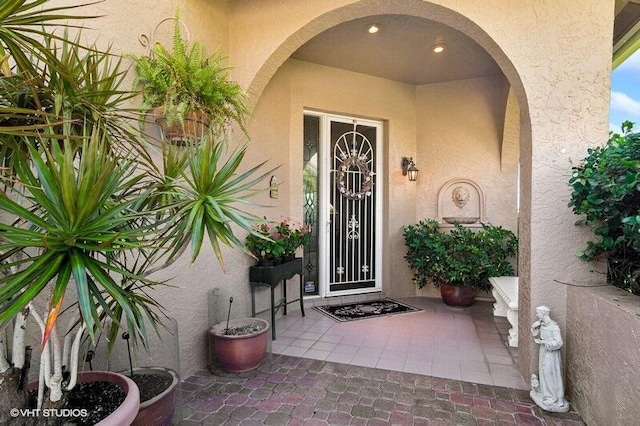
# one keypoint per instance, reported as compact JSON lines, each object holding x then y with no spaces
{"x":292,"y":235}
{"x":262,"y":244}
{"x":272,"y":243}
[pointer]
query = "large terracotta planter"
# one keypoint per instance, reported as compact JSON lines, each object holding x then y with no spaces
{"x":127,"y":411}
{"x":237,"y":354}
{"x":159,"y":410}
{"x":457,"y":296}
{"x":124,"y":414}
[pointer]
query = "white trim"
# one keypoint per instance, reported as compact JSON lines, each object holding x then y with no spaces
{"x":324,"y":167}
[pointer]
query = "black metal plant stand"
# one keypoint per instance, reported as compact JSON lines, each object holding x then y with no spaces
{"x":271,"y":276}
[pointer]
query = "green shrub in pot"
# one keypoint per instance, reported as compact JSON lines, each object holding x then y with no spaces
{"x":461,"y":257}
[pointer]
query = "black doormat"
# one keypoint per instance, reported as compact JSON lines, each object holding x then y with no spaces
{"x":362,"y":310}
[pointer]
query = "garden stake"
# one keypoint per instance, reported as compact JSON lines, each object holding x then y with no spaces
{"x":88,"y":358}
{"x":125,"y":336}
{"x":226,"y":330}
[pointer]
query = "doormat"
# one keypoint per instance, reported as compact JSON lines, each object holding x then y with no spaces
{"x":362,"y":310}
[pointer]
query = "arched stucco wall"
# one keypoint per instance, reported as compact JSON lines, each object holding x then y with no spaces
{"x":510,"y":152}
{"x":558,"y":66}
{"x":557,"y":61}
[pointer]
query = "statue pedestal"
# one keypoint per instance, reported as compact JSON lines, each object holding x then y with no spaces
{"x":539,"y":400}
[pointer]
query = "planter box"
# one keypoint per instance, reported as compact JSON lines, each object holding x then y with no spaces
{"x":271,"y":276}
{"x":602,"y":357}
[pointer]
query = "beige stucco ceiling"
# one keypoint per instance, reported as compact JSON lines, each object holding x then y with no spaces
{"x":400,"y":51}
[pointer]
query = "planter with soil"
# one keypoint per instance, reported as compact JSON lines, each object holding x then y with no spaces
{"x":99,"y":398}
{"x":158,"y":394}
{"x":239,"y":345}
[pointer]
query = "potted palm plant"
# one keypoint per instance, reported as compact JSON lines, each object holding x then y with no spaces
{"x":85,"y":207}
{"x":459,"y":262}
{"x":188,"y":89}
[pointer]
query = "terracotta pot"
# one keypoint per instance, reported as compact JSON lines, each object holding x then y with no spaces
{"x":158,"y":411}
{"x":237,"y":354}
{"x":458,"y":296}
{"x":194,"y":126}
{"x":127,"y":411}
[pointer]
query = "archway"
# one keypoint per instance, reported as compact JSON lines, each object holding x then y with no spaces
{"x":461,"y":23}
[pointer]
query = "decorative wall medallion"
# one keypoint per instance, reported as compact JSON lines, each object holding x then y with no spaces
{"x":360,"y":163}
{"x":460,"y":196}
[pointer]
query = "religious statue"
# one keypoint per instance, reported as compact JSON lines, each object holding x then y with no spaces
{"x":547,"y":388}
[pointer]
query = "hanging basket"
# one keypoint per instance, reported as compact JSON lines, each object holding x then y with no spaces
{"x":192,"y":128}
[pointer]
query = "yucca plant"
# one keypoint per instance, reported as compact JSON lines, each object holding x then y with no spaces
{"x":82,"y":86}
{"x":27,"y":34}
{"x":23,"y":25}
{"x":87,"y":208}
{"x":188,"y":79}
{"x":76,"y":226}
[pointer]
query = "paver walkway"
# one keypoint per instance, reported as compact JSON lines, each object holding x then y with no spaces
{"x":295,"y":391}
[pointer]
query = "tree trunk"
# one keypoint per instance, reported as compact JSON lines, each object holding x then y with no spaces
{"x":11,"y":397}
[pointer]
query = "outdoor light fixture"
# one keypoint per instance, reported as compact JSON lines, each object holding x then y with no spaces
{"x":438,"y":47}
{"x":373,"y":28}
{"x":409,"y":168}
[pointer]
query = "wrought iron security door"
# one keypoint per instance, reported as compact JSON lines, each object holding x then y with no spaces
{"x":352,"y":250}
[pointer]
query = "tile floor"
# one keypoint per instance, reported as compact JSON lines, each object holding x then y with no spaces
{"x":465,"y":344}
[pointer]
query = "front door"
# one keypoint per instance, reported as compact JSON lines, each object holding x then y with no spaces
{"x":351,"y":204}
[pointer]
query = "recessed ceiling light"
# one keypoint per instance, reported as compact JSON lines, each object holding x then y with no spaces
{"x":438,"y":47}
{"x":373,"y":28}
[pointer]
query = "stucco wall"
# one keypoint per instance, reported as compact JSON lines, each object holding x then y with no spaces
{"x":603,"y":361}
{"x":460,"y":136}
{"x":298,"y":85}
{"x":558,"y":63}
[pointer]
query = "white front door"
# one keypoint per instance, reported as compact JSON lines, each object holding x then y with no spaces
{"x":351,"y":205}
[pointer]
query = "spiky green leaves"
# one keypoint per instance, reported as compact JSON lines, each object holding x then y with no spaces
{"x":23,"y":23}
{"x":210,"y":197}
{"x":78,"y":226}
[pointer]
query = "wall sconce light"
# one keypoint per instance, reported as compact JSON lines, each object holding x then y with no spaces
{"x":409,"y":168}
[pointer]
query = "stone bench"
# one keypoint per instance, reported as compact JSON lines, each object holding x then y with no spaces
{"x":505,"y":291}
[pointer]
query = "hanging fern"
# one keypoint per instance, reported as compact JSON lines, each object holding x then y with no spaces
{"x":189,"y":79}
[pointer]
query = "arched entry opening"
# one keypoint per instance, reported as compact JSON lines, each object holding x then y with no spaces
{"x":286,"y":85}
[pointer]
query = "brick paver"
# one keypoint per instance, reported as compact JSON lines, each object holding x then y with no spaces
{"x":297,"y":391}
